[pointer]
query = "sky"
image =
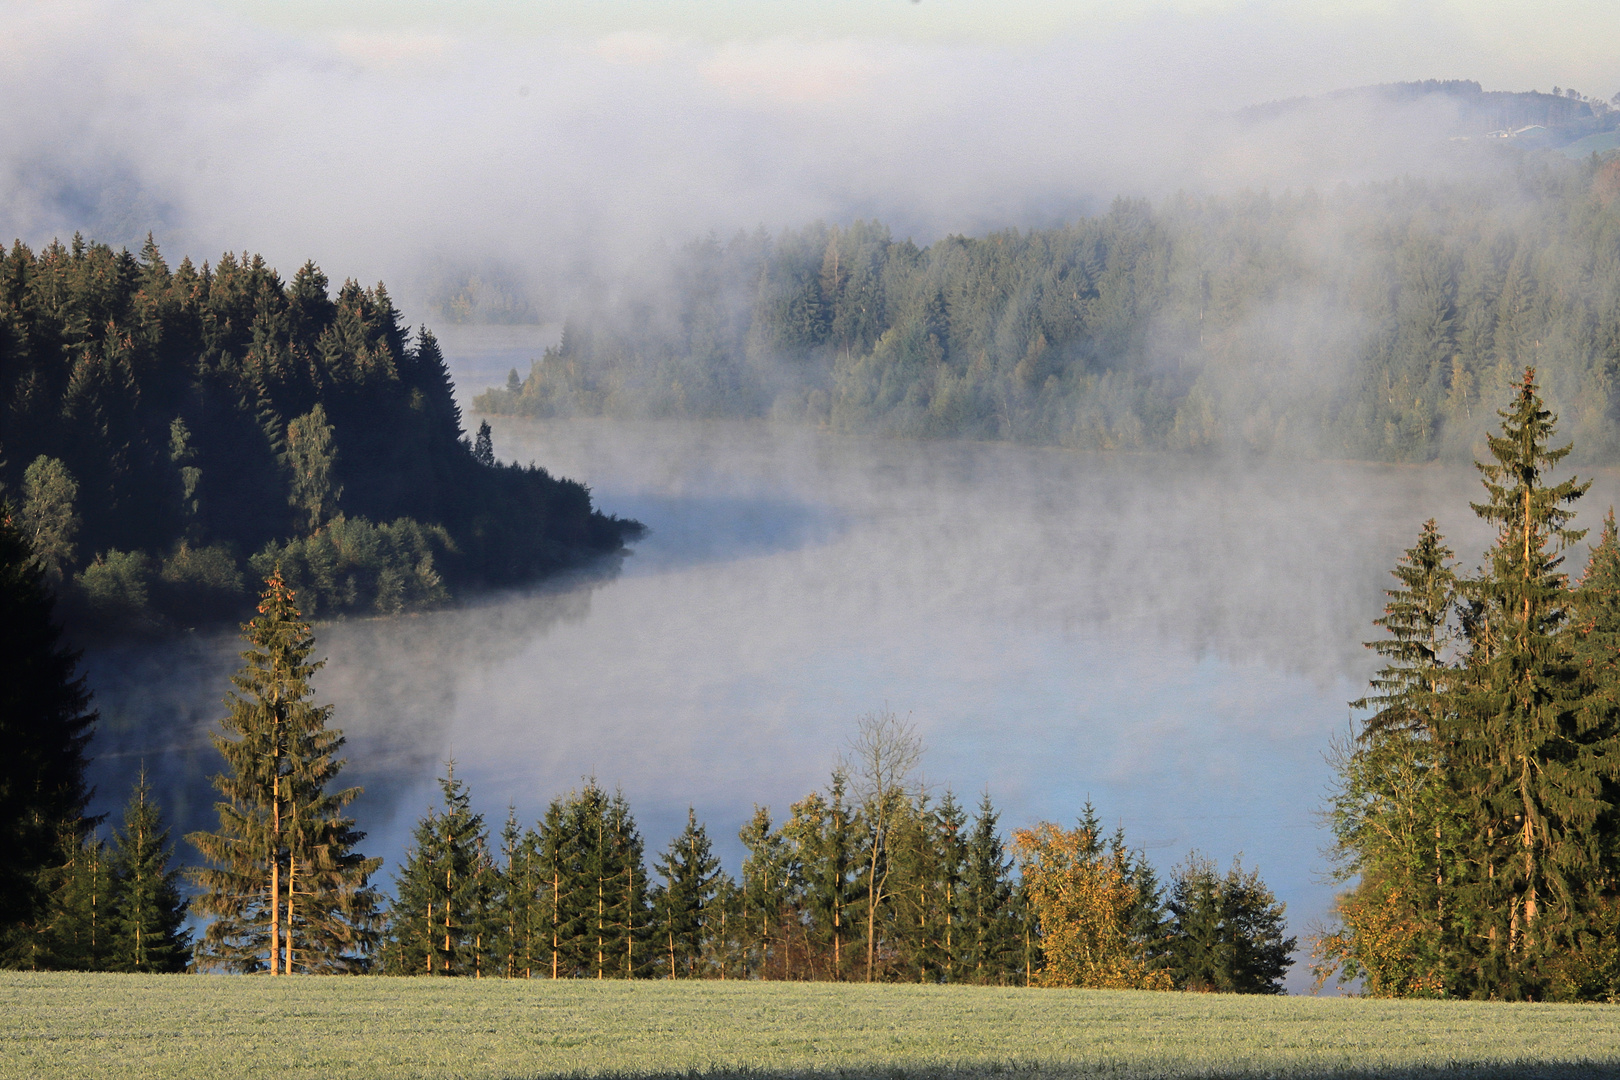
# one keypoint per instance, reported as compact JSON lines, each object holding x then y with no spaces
{"x":554,"y":145}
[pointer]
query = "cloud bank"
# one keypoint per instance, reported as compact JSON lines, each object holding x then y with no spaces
{"x":561,"y":153}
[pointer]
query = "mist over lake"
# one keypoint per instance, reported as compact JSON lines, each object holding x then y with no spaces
{"x":1173,"y":638}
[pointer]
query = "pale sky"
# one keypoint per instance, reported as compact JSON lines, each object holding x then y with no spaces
{"x":557,"y":143}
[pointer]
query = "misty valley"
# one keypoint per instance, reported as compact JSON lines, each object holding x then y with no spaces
{"x":821,"y":606}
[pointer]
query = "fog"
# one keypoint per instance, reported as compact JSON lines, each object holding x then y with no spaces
{"x":549,"y":155}
{"x":1174,"y":639}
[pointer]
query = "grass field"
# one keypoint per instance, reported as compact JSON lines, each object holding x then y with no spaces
{"x":83,"y":1026}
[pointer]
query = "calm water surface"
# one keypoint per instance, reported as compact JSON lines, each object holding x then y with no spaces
{"x":1174,"y":640}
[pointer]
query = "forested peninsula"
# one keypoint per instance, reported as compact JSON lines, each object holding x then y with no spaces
{"x":169,"y":436}
{"x":1378,"y":322}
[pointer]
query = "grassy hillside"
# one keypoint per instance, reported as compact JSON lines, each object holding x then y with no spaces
{"x":85,"y":1026}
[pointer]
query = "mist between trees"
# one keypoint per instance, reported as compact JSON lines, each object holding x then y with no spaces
{"x":874,"y":878}
{"x":1380,"y":322}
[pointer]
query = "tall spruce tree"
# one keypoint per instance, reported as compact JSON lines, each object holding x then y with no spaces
{"x":1393,"y":813}
{"x":991,"y":951}
{"x":45,"y":723}
{"x":286,"y":891}
{"x":1529,"y":775}
{"x":148,"y":914}
{"x":681,"y":904}
{"x":442,"y":920}
{"x":591,"y":860}
{"x":518,"y":907}
{"x":769,"y":874}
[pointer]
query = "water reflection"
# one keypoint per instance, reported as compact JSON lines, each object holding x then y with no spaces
{"x":1173,"y":639}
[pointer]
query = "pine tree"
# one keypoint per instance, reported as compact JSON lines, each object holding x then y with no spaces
{"x":591,"y":860}
{"x":45,"y":722}
{"x":1529,"y":774}
{"x":79,"y":929}
{"x":441,"y":921}
{"x":287,"y":891}
{"x":518,"y":903}
{"x":692,"y":878}
{"x":1225,"y":933}
{"x":991,"y":951}
{"x":484,"y":445}
{"x":826,"y":836}
{"x":1393,"y":812}
{"x":148,"y":918}
{"x":768,"y":877}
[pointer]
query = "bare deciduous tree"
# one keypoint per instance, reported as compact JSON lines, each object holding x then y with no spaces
{"x":883,"y":759}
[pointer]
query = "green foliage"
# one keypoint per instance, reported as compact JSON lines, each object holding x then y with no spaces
{"x":47,"y":517}
{"x":354,"y":565}
{"x":441,"y":922}
{"x":286,"y":889}
{"x":1476,"y":808}
{"x":45,"y":723}
{"x":1221,"y":323}
{"x":147,"y":923}
{"x":225,"y":409}
{"x":309,"y":457}
{"x":685,"y":913}
{"x":1225,"y":933}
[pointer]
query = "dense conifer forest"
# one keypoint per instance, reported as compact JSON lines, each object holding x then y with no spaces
{"x":170,"y":435}
{"x":1381,"y":322}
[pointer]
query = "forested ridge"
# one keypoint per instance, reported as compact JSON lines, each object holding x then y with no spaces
{"x":169,"y":434}
{"x":1380,"y":321}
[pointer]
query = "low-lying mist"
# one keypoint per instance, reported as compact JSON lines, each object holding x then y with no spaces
{"x":1173,"y":639}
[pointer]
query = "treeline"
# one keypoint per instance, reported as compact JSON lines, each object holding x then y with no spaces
{"x":170,"y":435}
{"x":1478,"y":807}
{"x":1375,"y":322}
{"x":871,"y":879}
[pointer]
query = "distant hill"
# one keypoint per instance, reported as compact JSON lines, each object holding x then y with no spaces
{"x":1462,"y":109}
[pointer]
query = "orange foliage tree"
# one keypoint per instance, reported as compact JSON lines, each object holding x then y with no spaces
{"x":1083,"y":897}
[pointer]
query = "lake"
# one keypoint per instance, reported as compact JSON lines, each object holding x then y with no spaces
{"x":1174,"y":639}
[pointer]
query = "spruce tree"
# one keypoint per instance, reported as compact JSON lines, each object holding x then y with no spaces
{"x":692,"y":878}
{"x":769,"y":874}
{"x":1393,"y":814}
{"x":1530,"y":775}
{"x":148,"y":918}
{"x":591,"y":861}
{"x":286,"y":891}
{"x":78,"y":930}
{"x":1225,"y":933}
{"x":991,"y":952}
{"x":517,"y":907}
{"x":45,"y":722}
{"x":441,"y":922}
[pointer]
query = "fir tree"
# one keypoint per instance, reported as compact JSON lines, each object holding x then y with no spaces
{"x":1225,"y":933}
{"x":287,"y":890}
{"x":484,"y":445}
{"x":148,"y":920}
{"x":692,"y":879}
{"x":518,"y":904}
{"x":441,"y":920}
{"x":1531,"y":776}
{"x":592,"y":859}
{"x":768,"y":876}
{"x":45,"y":722}
{"x":991,"y":950}
{"x":79,"y":929}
